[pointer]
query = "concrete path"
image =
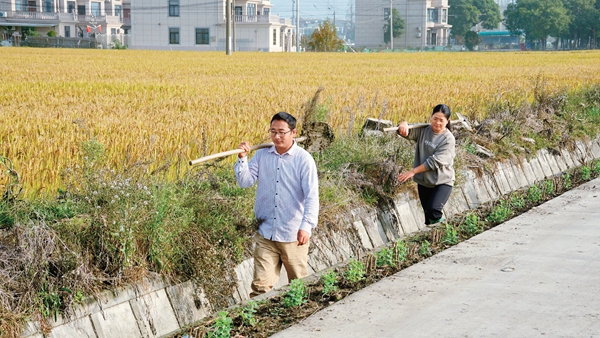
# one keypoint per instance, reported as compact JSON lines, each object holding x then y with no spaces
{"x":537,"y":275}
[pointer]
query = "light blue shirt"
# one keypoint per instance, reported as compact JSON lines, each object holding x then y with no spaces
{"x":287,"y":195}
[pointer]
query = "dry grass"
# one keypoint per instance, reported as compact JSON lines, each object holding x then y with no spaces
{"x":170,"y":107}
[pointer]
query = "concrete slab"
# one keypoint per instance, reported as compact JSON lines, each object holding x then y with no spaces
{"x":407,"y":220}
{"x":389,"y":221}
{"x":475,"y":190}
{"x":456,"y":203}
{"x":552,"y":165}
{"x":362,"y":234}
{"x":116,"y":321}
{"x":154,"y":314}
{"x":376,"y":232}
{"x":527,"y":170}
{"x":566,"y":155}
{"x":501,"y":181}
{"x":81,"y":327}
{"x":535,"y":275}
{"x":509,"y":173}
{"x":244,"y":273}
{"x":519,"y":174}
{"x":562,"y":163}
{"x":188,"y":306}
{"x":544,"y":165}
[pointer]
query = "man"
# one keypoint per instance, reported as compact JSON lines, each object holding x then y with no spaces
{"x":287,"y":203}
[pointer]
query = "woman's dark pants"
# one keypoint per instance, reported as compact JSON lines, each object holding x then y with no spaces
{"x":433,"y":201}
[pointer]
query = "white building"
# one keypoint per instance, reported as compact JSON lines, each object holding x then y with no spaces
{"x":426,"y":23}
{"x":67,"y":18}
{"x":201,"y":25}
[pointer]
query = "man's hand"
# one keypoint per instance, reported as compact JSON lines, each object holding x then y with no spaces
{"x":245,"y":146}
{"x":303,"y":237}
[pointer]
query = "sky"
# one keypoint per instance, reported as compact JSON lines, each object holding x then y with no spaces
{"x":312,"y":9}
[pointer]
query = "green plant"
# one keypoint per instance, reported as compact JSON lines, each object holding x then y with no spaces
{"x":470,"y":147}
{"x":247,"y":313}
{"x":586,"y":173}
{"x":51,"y":301}
{"x":356,"y":271}
{"x":548,"y":187}
{"x":330,"y":280}
{"x":499,"y":213}
{"x":400,"y":251}
{"x":222,"y":326}
{"x":296,"y":295}
{"x":567,"y":180}
{"x":385,"y":257}
{"x":534,"y":194}
{"x":518,"y":202}
{"x":596,"y":167}
{"x":117,"y":44}
{"x":78,"y":297}
{"x":450,"y":235}
{"x":425,"y":249}
{"x":472,"y":225}
{"x":52,"y":34}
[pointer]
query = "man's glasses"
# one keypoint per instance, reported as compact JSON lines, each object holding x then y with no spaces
{"x":279,"y":133}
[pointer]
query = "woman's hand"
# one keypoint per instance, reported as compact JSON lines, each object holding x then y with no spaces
{"x":403,"y":128}
{"x":403,"y":177}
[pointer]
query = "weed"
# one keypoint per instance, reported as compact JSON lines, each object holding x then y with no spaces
{"x":586,"y":173}
{"x":499,"y":213}
{"x":296,"y":295}
{"x":450,"y":235}
{"x":549,"y":187}
{"x":385,"y":257}
{"x":567,"y":180}
{"x":472,"y":225}
{"x":401,"y":251}
{"x":425,"y":249}
{"x":518,"y":202}
{"x":356,"y":271}
{"x":597,"y":168}
{"x":222,"y":326}
{"x":330,"y":280}
{"x":247,"y":313}
{"x":51,"y":301}
{"x":534,"y":194}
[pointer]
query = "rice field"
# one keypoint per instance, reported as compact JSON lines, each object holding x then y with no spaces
{"x":169,"y":107}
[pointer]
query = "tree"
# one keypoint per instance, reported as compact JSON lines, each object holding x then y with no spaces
{"x":538,"y":19}
{"x":465,"y":14}
{"x":585,"y":18}
{"x":472,"y":39}
{"x":325,"y":39}
{"x":398,"y":23}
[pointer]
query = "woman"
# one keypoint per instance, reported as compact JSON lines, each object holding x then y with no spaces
{"x":433,"y":165}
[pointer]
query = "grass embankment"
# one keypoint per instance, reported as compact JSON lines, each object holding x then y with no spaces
{"x":108,"y":227}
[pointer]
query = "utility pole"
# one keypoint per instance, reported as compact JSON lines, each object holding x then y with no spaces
{"x":228,"y":28}
{"x":233,"y":23}
{"x":297,"y":25}
{"x":391,"y":26}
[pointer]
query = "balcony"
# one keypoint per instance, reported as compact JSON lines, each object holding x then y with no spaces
{"x":33,"y":15}
{"x":257,"y":19}
{"x":40,"y":17}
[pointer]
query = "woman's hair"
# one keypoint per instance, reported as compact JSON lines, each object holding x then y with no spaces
{"x":283,"y":116}
{"x":442,"y":108}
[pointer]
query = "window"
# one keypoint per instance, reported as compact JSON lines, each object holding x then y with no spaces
{"x":113,"y":31}
{"x":96,"y":8}
{"x":267,"y":11}
{"x":444,"y":15}
{"x":67,"y":31}
{"x":173,"y":7}
{"x":80,"y":9}
{"x":432,"y":15}
{"x":48,"y":6}
{"x":251,"y":9}
{"x":238,"y":13}
{"x":173,"y":36}
{"x":274,"y":37}
{"x":118,"y":10}
{"x":71,"y":7}
{"x":18,"y":6}
{"x":386,"y":14}
{"x":202,"y":36}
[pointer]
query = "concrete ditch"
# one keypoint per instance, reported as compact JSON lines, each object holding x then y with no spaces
{"x":155,"y":308}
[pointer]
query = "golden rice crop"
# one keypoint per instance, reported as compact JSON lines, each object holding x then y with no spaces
{"x":159,"y":105}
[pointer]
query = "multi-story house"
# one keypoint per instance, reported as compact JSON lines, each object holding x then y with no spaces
{"x":426,"y":23}
{"x":201,"y":25}
{"x":67,"y":18}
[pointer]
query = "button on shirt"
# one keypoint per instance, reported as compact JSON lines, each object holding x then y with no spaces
{"x":287,"y":195}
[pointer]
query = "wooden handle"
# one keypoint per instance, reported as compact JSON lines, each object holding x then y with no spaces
{"x":236,"y":151}
{"x":410,"y":126}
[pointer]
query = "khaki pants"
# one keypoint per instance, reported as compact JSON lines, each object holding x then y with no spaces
{"x":268,"y":257}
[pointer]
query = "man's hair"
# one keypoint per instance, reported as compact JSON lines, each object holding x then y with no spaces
{"x":283,"y":116}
